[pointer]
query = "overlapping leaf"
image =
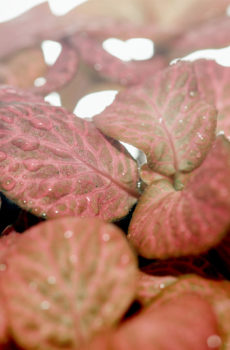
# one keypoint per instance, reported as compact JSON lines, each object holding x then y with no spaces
{"x":216,"y":293}
{"x":167,"y":119}
{"x":169,"y":223}
{"x":166,"y":327}
{"x":53,"y":163}
{"x":79,"y":278}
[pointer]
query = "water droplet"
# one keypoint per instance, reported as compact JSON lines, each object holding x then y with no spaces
{"x":204,"y":117}
{"x":45,"y":305}
{"x":51,"y":280}
{"x":192,"y":93}
{"x":160,"y":120}
{"x":43,"y":214}
{"x":185,"y":108}
{"x":3,"y":156}
{"x":214,"y":341}
{"x":181,"y":121}
{"x":32,"y":164}
{"x":41,"y":123}
{"x":221,"y":132}
{"x":73,"y":258}
{"x":98,"y":67}
{"x":2,"y":267}
{"x":123,"y":173}
{"x":24,"y":201}
{"x":200,"y":136}
{"x":162,"y":285}
{"x":106,"y":237}
{"x":8,"y":184}
{"x":26,"y":145}
{"x":68,"y":234}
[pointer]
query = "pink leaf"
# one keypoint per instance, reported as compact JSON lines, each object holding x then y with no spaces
{"x":169,"y":223}
{"x":62,"y":72}
{"x":126,"y":73}
{"x":214,"y":83}
{"x":216,"y":293}
{"x":56,"y":164}
{"x":74,"y":277}
{"x":167,"y":119}
{"x":186,"y":323}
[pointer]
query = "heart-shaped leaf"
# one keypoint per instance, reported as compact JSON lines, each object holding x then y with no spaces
{"x":216,"y":293}
{"x":126,"y":73}
{"x":167,"y":119}
{"x":74,"y":277}
{"x":166,"y":327}
{"x":54,"y":163}
{"x":61,"y":72}
{"x":168,"y":223}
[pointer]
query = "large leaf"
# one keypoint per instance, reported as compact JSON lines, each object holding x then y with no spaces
{"x":74,"y":277}
{"x":186,"y":323}
{"x":126,"y":73}
{"x":214,"y":83}
{"x":169,"y":223}
{"x":57,"y":164}
{"x":167,"y":119}
{"x":216,"y":293}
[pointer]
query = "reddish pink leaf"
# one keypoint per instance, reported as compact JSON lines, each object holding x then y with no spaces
{"x":78,"y":278}
{"x":186,"y":323}
{"x":214,"y":83}
{"x":167,"y":120}
{"x":126,"y":73}
{"x":216,"y":293}
{"x":56,"y":164}
{"x":168,"y":223}
{"x":62,"y":72}
{"x":210,"y":34}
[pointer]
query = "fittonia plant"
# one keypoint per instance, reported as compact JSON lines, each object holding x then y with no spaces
{"x":74,"y":280}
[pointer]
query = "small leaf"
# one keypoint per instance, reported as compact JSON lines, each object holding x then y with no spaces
{"x":56,"y":164}
{"x":167,"y":119}
{"x":78,"y":278}
{"x":61,"y":72}
{"x":168,"y":223}
{"x":184,"y":323}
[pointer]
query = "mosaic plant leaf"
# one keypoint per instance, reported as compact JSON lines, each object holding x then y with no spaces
{"x":216,"y":293}
{"x":166,"y":327}
{"x":216,"y":91}
{"x":61,"y":72}
{"x":55,"y":164}
{"x":74,"y":277}
{"x":168,"y":223}
{"x":167,"y":119}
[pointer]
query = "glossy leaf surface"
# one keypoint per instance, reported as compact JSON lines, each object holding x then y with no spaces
{"x":74,"y":277}
{"x":169,"y":223}
{"x":167,"y":119}
{"x":165,"y":327}
{"x":56,"y":164}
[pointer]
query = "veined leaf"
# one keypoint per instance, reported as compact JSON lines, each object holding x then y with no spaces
{"x":167,"y":119}
{"x":168,"y":223}
{"x":166,"y":327}
{"x":56,"y":164}
{"x":74,"y":277}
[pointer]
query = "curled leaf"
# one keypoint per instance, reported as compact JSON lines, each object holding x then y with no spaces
{"x":167,"y":119}
{"x":78,"y":279}
{"x":168,"y":223}
{"x":56,"y":164}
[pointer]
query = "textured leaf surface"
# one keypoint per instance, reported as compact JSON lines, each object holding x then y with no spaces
{"x":53,"y":163}
{"x":168,"y":223}
{"x":216,"y":293}
{"x":166,"y":327}
{"x":214,"y":83}
{"x":61,"y":72}
{"x":126,"y":73}
{"x":167,"y":120}
{"x":74,"y":277}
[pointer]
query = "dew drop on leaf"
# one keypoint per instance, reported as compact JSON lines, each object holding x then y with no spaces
{"x":106,"y":237}
{"x":45,"y":305}
{"x":51,"y":280}
{"x":214,"y":341}
{"x":68,"y":234}
{"x":8,"y":184}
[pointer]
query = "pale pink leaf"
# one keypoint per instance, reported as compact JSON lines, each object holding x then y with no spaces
{"x":184,"y":323}
{"x":73,"y":278}
{"x":167,"y":119}
{"x":168,"y":223}
{"x":56,"y":164}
